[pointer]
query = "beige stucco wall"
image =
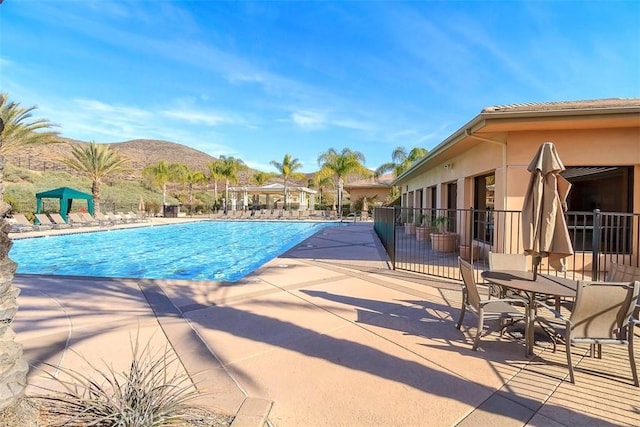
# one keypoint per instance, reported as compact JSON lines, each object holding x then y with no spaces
{"x":587,"y":147}
{"x":576,"y":147}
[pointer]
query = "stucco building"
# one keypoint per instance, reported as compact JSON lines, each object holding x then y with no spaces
{"x":377,"y":190}
{"x":484,"y":163}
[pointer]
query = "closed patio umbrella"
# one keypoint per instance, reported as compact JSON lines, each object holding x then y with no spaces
{"x":545,"y":232}
{"x":141,"y":206}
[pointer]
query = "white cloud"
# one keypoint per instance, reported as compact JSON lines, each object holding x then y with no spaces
{"x":308,"y":119}
{"x":353,"y":124}
{"x":210,"y":119}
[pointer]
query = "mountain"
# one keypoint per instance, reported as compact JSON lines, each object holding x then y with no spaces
{"x":140,"y":152}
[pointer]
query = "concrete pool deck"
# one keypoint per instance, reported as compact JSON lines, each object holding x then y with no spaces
{"x":326,"y":334}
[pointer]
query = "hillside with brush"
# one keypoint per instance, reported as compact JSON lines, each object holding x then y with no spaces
{"x":140,"y":152}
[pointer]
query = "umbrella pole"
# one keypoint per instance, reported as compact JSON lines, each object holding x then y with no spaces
{"x":536,"y":265}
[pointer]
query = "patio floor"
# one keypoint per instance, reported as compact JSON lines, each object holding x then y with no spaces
{"x":325,"y":335}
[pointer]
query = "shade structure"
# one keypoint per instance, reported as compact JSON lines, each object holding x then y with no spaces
{"x":545,"y":232}
{"x":66,"y":196}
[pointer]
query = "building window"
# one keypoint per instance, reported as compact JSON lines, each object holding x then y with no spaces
{"x":609,"y":189}
{"x":483,"y":202}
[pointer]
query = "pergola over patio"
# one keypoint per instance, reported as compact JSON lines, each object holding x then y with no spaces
{"x":303,"y":196}
{"x":66,"y":196}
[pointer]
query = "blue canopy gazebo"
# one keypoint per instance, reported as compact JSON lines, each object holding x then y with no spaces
{"x":66,"y":196}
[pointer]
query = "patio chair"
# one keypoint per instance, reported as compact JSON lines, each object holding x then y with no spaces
{"x":601,"y":316}
{"x":625,"y":273}
{"x":501,"y":261}
{"x":43,"y":219}
{"x":504,"y":309}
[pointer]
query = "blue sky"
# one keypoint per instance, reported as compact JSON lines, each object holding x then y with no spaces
{"x":258,"y":80}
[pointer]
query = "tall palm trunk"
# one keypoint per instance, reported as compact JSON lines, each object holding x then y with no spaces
{"x":226,"y":191}
{"x":215,"y":194}
{"x":13,"y":369}
{"x":164,"y":194}
{"x":95,"y":191}
{"x":286,"y":207}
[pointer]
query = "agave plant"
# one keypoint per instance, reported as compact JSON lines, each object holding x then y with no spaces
{"x":152,"y":393}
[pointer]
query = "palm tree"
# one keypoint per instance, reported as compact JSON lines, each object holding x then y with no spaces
{"x":260,"y":178}
{"x":216,"y":169}
{"x":401,"y":160}
{"x":159,"y":174}
{"x":287,"y":170}
{"x":187,"y":177}
{"x":16,"y":130}
{"x":321,"y":183}
{"x":340,"y":165}
{"x":229,"y":170}
{"x":19,"y":130}
{"x":95,"y":161}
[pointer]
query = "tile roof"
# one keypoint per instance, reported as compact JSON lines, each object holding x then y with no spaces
{"x":566,"y":105}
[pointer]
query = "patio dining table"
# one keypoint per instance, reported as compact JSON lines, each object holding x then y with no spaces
{"x":543,"y":285}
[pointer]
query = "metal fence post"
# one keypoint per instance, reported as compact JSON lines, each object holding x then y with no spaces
{"x":393,"y":238}
{"x":595,"y":244}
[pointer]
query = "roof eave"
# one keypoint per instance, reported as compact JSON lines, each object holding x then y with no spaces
{"x":486,"y":116}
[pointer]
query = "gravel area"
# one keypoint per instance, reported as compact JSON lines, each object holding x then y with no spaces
{"x":32,"y":412}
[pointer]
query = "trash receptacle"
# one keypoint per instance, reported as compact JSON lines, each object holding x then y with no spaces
{"x":171,"y":211}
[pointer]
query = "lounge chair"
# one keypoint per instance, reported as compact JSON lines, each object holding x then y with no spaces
{"x":123,"y":217}
{"x":601,"y":316}
{"x":136,"y":217}
{"x":89,"y":219}
{"x":504,"y":309}
{"x":57,"y":219}
{"x":20,"y":227}
{"x":115,"y":219}
{"x":77,"y":220}
{"x":102,"y":218}
{"x":43,"y":219}
{"x":24,"y":223}
{"x":217,"y":215}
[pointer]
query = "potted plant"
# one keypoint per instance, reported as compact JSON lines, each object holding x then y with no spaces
{"x":409,"y":225}
{"x":441,"y":239}
{"x":465,"y":252}
{"x":423,"y":227}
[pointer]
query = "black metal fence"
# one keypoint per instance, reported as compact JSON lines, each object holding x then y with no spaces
{"x":429,"y":241}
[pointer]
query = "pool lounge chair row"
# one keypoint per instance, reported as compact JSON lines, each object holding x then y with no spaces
{"x":279,"y":214}
{"x":20,"y":223}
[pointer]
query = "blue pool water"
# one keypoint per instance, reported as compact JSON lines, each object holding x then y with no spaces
{"x":206,"y":250}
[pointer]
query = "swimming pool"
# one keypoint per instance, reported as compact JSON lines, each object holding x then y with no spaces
{"x":204,"y":250}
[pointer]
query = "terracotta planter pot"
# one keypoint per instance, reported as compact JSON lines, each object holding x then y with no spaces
{"x":423,"y":233}
{"x":465,"y":252}
{"x":444,"y":242}
{"x":409,"y":228}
